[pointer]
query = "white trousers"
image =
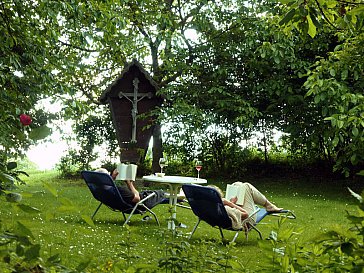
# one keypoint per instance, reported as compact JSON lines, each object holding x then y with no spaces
{"x":252,"y":197}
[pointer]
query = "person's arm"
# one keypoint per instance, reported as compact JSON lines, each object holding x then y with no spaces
{"x":232,"y":205}
{"x":114,"y":174}
{"x":131,"y":187}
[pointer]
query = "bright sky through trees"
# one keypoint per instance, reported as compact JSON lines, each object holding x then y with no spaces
{"x":48,"y":154}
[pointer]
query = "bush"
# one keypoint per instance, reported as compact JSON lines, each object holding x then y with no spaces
{"x":9,"y":175}
{"x":338,"y":250}
{"x":71,"y":165}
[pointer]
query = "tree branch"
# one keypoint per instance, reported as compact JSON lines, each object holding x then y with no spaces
{"x":350,"y":3}
{"x":88,"y":94}
{"x":77,"y":47}
{"x":324,"y":15}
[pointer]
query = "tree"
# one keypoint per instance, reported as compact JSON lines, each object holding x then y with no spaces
{"x":219,"y":64}
{"x":26,"y":77}
{"x":160,"y":30}
{"x":334,"y":81}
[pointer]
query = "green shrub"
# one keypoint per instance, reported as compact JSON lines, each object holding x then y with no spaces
{"x":9,"y":179}
{"x":71,"y":165}
{"x":339,"y":250}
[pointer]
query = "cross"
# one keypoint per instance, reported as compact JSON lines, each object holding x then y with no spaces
{"x":134,"y":98}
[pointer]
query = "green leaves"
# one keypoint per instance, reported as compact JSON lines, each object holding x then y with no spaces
{"x":24,"y":231}
{"x":88,"y":220}
{"x":28,"y":209}
{"x":6,"y":178}
{"x":240,"y":69}
{"x":11,"y":165}
{"x":336,"y":89}
{"x":341,"y":247}
{"x":311,"y":27}
{"x":66,"y":205}
{"x":355,"y":131}
{"x":309,"y":17}
{"x":288,"y":17}
{"x":40,"y":132}
{"x":286,"y":1}
{"x":51,"y":189}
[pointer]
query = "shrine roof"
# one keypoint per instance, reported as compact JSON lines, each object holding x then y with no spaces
{"x":104,"y":95}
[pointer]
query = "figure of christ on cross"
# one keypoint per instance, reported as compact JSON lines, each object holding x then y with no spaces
{"x":134,"y":98}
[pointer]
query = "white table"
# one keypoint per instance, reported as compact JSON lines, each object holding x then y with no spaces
{"x":174,"y":183}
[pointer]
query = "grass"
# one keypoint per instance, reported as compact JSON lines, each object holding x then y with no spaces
{"x":59,"y":227}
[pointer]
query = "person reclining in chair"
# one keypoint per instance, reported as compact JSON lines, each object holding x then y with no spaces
{"x":131,"y":195}
{"x":252,"y":198}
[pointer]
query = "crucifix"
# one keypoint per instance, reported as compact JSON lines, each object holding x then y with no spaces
{"x":134,"y":98}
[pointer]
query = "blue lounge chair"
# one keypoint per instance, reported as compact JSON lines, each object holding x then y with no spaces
{"x":207,"y":205}
{"x":104,"y":190}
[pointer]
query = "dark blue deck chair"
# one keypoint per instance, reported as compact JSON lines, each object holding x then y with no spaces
{"x":104,"y":190}
{"x":207,"y":205}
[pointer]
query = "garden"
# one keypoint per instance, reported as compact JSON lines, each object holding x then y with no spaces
{"x":50,"y":231}
{"x":266,"y":92}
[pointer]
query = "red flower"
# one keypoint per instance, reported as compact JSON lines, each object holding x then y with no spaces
{"x":25,"y":119}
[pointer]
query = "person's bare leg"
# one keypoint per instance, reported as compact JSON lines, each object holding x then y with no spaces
{"x":253,"y":196}
{"x":271,"y":207}
{"x":261,"y":200}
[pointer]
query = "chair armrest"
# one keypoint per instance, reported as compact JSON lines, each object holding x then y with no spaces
{"x":146,"y":198}
{"x":246,"y":221}
{"x":257,"y":209}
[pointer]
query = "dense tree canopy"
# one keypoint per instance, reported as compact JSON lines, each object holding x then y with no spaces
{"x":236,"y":66}
{"x":335,"y":80}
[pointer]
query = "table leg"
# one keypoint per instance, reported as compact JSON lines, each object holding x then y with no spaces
{"x":174,"y":189}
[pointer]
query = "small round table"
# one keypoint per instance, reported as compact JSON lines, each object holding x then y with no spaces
{"x":174,"y":183}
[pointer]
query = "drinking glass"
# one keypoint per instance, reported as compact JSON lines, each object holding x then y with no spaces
{"x":162,"y":163}
{"x":198,"y":167}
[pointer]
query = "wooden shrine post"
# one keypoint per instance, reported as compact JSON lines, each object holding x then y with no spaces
{"x":131,"y":98}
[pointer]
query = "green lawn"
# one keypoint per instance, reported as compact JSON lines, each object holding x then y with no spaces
{"x":60,"y":229}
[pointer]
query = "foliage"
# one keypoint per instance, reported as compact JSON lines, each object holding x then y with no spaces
{"x":336,"y":86}
{"x":337,"y":250}
{"x":26,"y":75}
{"x":9,"y":180}
{"x":219,"y":64}
{"x":259,"y":88}
{"x":309,"y":16}
{"x":333,"y":81}
{"x":180,"y":256}
{"x":70,"y":164}
{"x":224,"y":157}
{"x":92,"y":132}
{"x":19,"y":251}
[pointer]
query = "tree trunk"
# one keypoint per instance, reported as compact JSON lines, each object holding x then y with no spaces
{"x":265,"y":148}
{"x":157,"y":150}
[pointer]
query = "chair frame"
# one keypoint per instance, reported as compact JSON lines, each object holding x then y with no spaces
{"x":227,"y":225}
{"x":245,"y":228}
{"x":126,"y":207}
{"x":261,"y":214}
